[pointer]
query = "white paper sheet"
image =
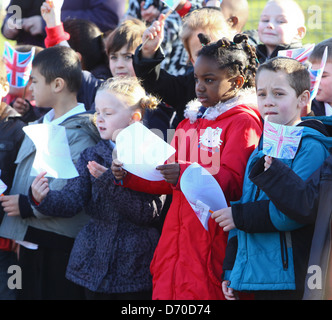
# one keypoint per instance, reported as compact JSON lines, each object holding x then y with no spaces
{"x":3,"y":187}
{"x":202,"y":191}
{"x":52,"y":151}
{"x":141,"y":151}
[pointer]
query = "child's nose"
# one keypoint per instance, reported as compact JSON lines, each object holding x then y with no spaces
{"x":199,"y":86}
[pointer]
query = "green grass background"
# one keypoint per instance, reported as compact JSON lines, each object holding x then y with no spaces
{"x":318,"y":15}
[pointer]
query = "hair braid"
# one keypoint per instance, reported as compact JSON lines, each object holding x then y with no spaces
{"x":237,"y":56}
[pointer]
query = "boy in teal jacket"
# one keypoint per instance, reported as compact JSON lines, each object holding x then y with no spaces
{"x":272,"y":250}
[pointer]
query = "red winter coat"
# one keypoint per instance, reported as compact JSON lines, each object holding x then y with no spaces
{"x":187,"y":263}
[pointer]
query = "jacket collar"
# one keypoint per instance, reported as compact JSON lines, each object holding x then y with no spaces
{"x":244,"y":96}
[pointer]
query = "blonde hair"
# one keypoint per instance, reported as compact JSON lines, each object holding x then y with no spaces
{"x":209,"y":20}
{"x":132,"y":91}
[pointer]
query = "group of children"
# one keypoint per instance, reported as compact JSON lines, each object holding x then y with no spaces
{"x":97,"y":236}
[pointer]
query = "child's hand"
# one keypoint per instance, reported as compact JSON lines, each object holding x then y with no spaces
{"x":40,"y":187}
{"x":225,"y":218}
{"x":170,"y":172}
{"x":21,"y":106}
{"x":153,"y":37}
{"x":10,"y":205}
{"x":117,"y":170}
{"x":96,"y":169}
{"x":268,"y":162}
{"x":51,"y":12}
{"x":228,"y":292}
{"x":33,"y":25}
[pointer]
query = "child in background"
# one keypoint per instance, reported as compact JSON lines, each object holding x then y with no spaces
{"x":112,"y":253}
{"x":10,"y":141}
{"x":56,"y":78}
{"x":273,"y":250}
{"x":177,"y":91}
{"x":187,"y":263}
{"x":281,"y":27}
{"x":88,"y":41}
{"x":322,"y":104}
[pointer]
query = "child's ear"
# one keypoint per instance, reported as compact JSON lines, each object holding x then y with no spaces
{"x":304,"y":99}
{"x":58,"y":84}
{"x":238,"y":82}
{"x":301,"y":31}
{"x":136,"y":116}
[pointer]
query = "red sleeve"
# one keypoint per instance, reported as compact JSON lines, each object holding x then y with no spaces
{"x":185,"y":9}
{"x":55,"y":35}
{"x":152,"y":187}
{"x":240,"y":141}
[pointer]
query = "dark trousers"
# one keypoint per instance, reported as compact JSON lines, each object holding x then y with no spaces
{"x":43,"y":275}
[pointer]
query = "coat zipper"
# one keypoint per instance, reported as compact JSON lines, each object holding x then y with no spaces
{"x":284,"y":252}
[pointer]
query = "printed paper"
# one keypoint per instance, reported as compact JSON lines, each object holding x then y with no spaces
{"x":202,"y":191}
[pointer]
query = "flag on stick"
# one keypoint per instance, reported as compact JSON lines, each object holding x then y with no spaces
{"x":18,"y":65}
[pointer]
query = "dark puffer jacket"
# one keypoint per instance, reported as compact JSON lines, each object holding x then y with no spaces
{"x":113,"y":251}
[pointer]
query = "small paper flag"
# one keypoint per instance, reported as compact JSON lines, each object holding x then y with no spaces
{"x":300,"y":54}
{"x":281,"y":141}
{"x":18,"y":65}
{"x":316,"y":76}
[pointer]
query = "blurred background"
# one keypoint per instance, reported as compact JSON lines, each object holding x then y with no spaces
{"x":318,"y":15}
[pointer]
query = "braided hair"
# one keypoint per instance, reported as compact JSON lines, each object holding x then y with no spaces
{"x":237,"y":56}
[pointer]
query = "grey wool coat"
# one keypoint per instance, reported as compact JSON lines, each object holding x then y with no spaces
{"x":113,"y":251}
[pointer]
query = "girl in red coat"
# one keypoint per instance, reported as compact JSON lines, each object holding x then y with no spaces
{"x":221,"y":129}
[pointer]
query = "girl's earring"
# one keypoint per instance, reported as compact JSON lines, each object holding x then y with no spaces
{"x":137,"y":116}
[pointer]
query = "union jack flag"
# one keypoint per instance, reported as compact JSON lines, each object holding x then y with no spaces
{"x":281,"y":141}
{"x":316,"y":76}
{"x":19,"y":65}
{"x":300,"y":54}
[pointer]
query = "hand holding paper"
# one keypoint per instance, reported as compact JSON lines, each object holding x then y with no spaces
{"x":40,"y":187}
{"x":225,"y":218}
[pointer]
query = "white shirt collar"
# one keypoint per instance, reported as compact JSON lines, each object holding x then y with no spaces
{"x":48,"y":118}
{"x":328,"y":109}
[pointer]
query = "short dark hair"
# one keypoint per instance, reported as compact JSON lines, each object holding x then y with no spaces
{"x":60,"y":62}
{"x":317,"y":53}
{"x":87,"y":39}
{"x":297,"y":74}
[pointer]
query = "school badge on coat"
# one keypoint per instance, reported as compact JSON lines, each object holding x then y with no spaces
{"x":210,"y":140}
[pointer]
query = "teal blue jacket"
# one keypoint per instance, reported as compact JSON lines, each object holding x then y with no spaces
{"x":264,"y":258}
